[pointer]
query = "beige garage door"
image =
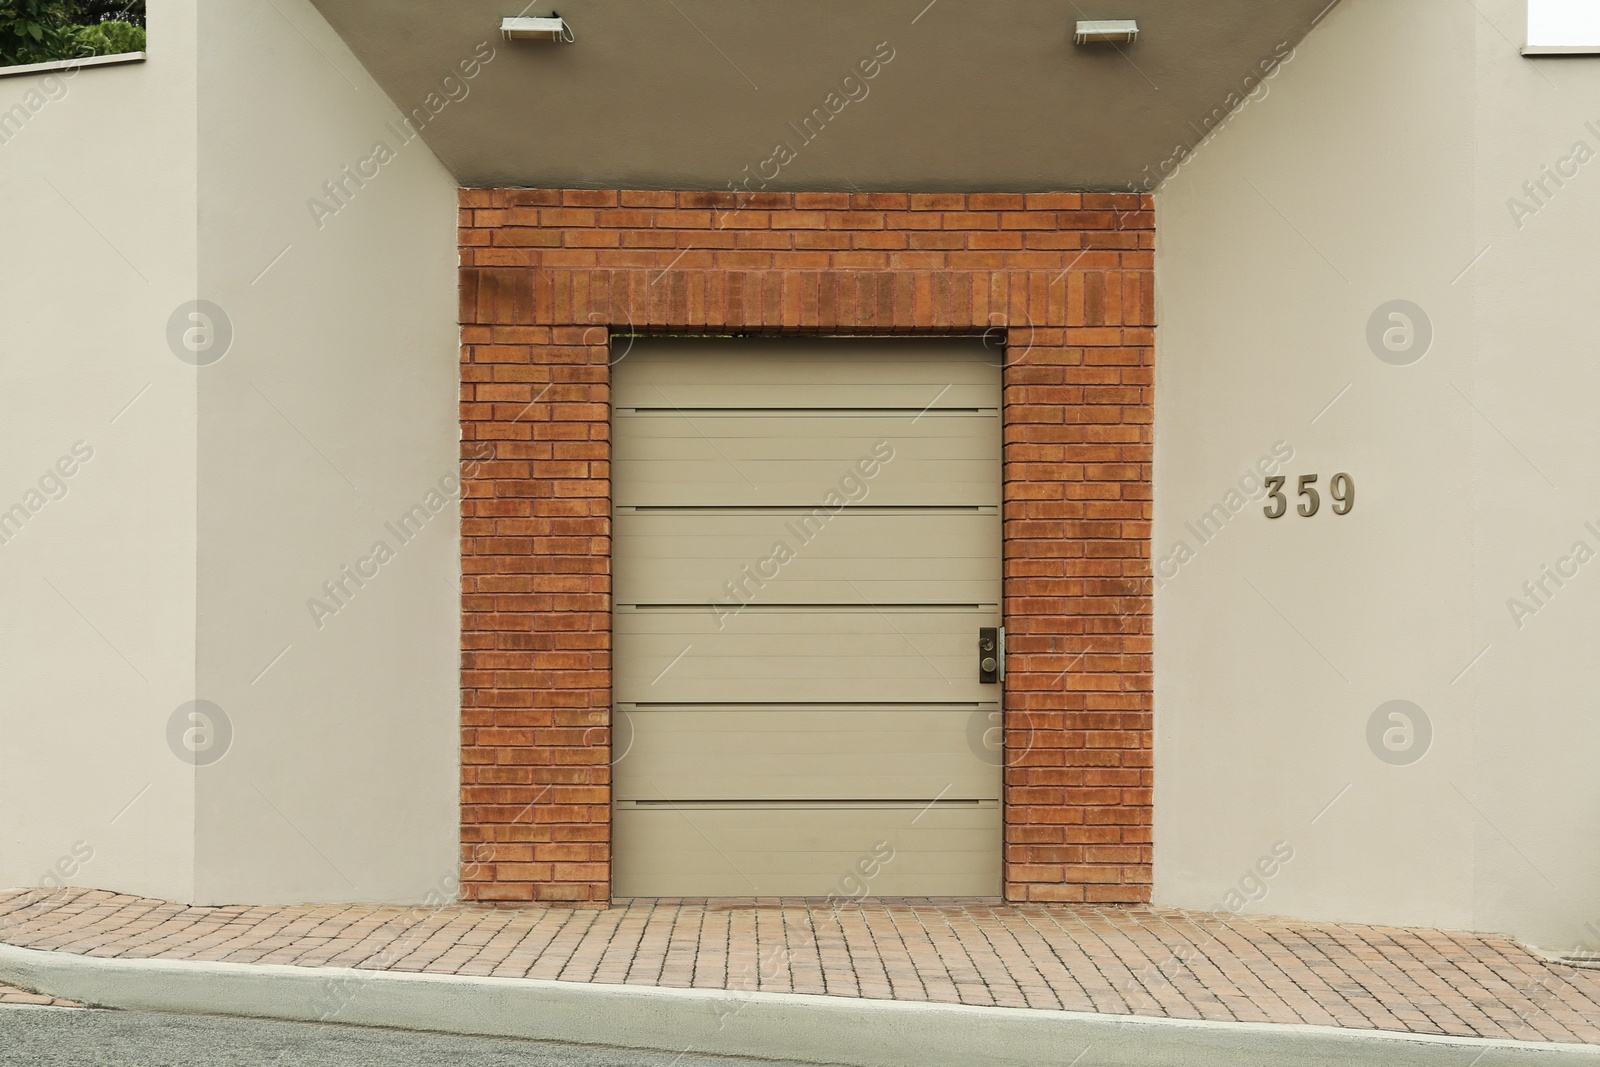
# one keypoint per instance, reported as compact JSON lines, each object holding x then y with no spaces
{"x":807,"y":543}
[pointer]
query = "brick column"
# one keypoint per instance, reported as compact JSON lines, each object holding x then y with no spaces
{"x":1078,"y":614}
{"x":536,"y":614}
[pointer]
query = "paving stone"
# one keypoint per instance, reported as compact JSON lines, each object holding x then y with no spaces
{"x":12,"y":995}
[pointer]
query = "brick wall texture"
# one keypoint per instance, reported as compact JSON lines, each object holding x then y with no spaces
{"x":548,"y":276}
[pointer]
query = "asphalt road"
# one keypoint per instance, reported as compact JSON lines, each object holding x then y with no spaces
{"x":65,"y":1037}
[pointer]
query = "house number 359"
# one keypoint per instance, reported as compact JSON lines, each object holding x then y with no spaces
{"x":1341,"y":487}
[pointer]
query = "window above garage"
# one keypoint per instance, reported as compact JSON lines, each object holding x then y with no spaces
{"x":1563,"y":27}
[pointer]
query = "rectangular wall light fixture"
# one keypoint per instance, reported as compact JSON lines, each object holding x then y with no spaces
{"x":535,"y":29}
{"x":1115,"y":31}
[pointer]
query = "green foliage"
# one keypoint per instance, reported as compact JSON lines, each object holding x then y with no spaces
{"x":89,"y":12}
{"x":34,"y":31}
{"x":107,"y":39}
{"x":37,"y":31}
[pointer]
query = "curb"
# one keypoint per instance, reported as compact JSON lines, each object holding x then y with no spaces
{"x":819,"y":1029}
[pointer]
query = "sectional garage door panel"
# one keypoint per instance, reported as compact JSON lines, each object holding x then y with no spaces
{"x":775,"y":850}
{"x":806,"y":545}
{"x":879,"y":373}
{"x":797,"y":459}
{"x":761,"y":752}
{"x":816,"y":655}
{"x":794,"y":557}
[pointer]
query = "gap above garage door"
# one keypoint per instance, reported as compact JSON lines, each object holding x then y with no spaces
{"x":807,"y":543}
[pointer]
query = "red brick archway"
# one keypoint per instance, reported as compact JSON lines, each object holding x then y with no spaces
{"x":547,"y":277}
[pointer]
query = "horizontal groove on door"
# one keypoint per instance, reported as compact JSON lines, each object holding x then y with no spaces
{"x":770,"y":413}
{"x":790,"y":705}
{"x":801,"y":509}
{"x":779,"y":606}
{"x":745,"y":804}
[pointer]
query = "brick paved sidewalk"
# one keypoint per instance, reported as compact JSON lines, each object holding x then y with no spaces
{"x":13,"y":995}
{"x":1074,"y":957}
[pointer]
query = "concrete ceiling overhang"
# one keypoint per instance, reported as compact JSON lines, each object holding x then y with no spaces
{"x":698,"y":94}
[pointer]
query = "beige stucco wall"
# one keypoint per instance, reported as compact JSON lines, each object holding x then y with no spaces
{"x":334,"y":413}
{"x":97,"y":590}
{"x":1374,"y":167}
{"x":179,"y":562}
